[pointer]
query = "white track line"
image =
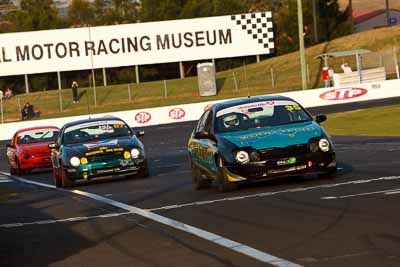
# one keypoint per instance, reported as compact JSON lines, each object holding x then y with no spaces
{"x":5,"y":179}
{"x":214,"y":238}
{"x":66,"y":220}
{"x":293,"y":190}
{"x":393,"y":193}
{"x":386,"y":192}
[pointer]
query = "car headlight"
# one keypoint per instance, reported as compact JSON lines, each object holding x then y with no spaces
{"x":242,"y":157}
{"x":324,"y":145}
{"x":84,"y":161}
{"x":127,"y":155}
{"x":75,"y":161}
{"x":135,"y":153}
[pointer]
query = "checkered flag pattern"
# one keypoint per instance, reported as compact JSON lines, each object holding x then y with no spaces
{"x":259,"y":26}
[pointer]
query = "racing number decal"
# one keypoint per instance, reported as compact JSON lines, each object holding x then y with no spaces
{"x":292,"y":107}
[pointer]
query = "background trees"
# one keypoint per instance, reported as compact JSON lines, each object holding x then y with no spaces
{"x":332,"y":22}
{"x":35,"y":15}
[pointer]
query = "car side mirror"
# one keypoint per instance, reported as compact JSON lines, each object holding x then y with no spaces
{"x":320,"y":118}
{"x":52,"y":145}
{"x":204,"y":135}
{"x":139,"y":133}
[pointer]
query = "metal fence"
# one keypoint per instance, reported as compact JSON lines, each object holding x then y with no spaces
{"x":267,"y":77}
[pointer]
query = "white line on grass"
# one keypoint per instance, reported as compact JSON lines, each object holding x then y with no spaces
{"x":214,"y":238}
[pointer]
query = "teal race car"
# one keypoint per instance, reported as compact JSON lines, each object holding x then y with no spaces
{"x":97,"y":148}
{"x":258,"y":138}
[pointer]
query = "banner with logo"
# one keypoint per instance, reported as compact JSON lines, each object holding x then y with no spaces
{"x":192,"y":112}
{"x":136,"y":44}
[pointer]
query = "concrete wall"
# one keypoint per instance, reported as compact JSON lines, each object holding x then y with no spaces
{"x":192,"y":112}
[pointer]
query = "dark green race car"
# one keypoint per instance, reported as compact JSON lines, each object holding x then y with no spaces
{"x":97,"y":148}
{"x":258,"y":138}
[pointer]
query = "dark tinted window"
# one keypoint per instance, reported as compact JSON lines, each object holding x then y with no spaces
{"x":260,"y":114}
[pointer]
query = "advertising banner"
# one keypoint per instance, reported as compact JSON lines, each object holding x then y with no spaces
{"x":136,"y":44}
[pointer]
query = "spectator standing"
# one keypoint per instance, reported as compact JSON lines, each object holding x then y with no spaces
{"x":325,"y":76}
{"x":330,"y":74}
{"x":27,"y":112}
{"x":1,"y":94}
{"x":8,"y":93}
{"x":346,"y":68}
{"x":75,"y":96}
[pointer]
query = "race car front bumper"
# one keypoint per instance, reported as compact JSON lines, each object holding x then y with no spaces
{"x":310,"y":163}
{"x":114,"y":168}
{"x":37,"y":162}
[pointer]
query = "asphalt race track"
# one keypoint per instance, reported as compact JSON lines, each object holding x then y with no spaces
{"x":352,"y":220}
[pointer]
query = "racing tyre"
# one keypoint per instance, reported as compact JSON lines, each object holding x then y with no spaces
{"x":17,"y":169}
{"x":330,"y":174}
{"x":199,"y":182}
{"x":65,"y":181}
{"x":56,"y":178}
{"x":223,"y":184}
{"x":12,"y":171}
{"x":143,"y":173}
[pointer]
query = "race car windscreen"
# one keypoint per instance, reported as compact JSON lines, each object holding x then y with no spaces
{"x":95,"y":130}
{"x":260,"y":114}
{"x":37,"y":136}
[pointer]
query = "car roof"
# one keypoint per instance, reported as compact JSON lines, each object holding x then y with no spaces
{"x":107,"y":118}
{"x":235,"y":102}
{"x":37,"y":128}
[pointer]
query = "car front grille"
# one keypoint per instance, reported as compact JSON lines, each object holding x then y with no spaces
{"x":42,"y":154}
{"x":289,"y":151}
{"x":105,"y":157}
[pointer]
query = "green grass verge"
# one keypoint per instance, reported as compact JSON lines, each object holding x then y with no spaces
{"x":381,"y":121}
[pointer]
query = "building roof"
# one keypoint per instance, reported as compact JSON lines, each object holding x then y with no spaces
{"x":360,"y":16}
{"x":344,"y":53}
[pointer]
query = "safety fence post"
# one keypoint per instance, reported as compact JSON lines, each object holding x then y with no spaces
{"x":165,"y":89}
{"x":396,"y":63}
{"x":59,"y":90}
{"x":1,"y":109}
{"x":129,"y":92}
{"x":235,"y":81}
{"x":272,"y":78}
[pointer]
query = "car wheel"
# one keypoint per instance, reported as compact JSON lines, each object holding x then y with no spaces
{"x":198,"y":181}
{"x":329,"y":174}
{"x":12,"y":171}
{"x":224,"y":184}
{"x":65,"y":181}
{"x":18,"y":170}
{"x":56,"y":178}
{"x":144,"y":172}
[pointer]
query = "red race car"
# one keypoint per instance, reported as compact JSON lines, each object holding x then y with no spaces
{"x":29,"y":149}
